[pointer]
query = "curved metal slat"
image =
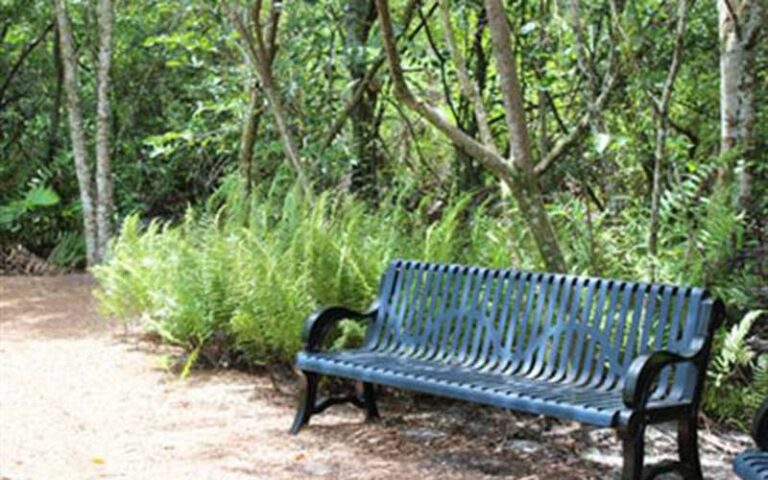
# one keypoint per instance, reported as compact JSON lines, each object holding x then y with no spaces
{"x":479,"y":357}
{"x":430,"y":305}
{"x":545,"y":282}
{"x":597,"y":338}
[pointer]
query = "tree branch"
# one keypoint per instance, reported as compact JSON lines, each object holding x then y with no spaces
{"x":22,"y":58}
{"x":482,"y":153}
{"x":582,"y":126}
{"x":469,"y":88}
{"x":595,"y":105}
{"x":261,"y":63}
{"x":360,"y":86}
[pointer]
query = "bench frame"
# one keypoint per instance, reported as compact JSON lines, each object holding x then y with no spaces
{"x":638,"y":388}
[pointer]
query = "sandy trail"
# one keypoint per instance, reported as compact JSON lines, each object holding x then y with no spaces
{"x":81,"y":400}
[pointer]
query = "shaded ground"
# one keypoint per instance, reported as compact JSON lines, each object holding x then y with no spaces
{"x":81,"y":398}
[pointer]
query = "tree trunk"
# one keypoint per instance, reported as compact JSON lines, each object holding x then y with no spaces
{"x":747,"y":101}
{"x":731,"y":68}
{"x":524,"y":186}
{"x":104,"y":184}
{"x":359,"y":16}
{"x":517,"y":172}
{"x":260,"y":50}
{"x":248,"y":137}
{"x":289,"y":143}
{"x":76,"y":131}
{"x":55,"y":119}
{"x":662,"y":127}
{"x":741,"y":25}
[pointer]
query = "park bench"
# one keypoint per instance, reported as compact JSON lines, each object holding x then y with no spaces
{"x":601,"y":352}
{"x":752,"y":464}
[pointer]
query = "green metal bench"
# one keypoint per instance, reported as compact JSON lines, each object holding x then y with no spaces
{"x":602,"y":352}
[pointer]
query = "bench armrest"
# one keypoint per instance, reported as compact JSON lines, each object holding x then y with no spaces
{"x":644,"y":370}
{"x":760,"y":427}
{"x":318,"y":324}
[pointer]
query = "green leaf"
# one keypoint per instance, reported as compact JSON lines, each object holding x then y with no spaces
{"x":602,"y":140}
{"x":41,"y":197}
{"x":529,"y":27}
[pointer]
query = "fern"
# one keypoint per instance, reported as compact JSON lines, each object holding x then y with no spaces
{"x":730,"y":397}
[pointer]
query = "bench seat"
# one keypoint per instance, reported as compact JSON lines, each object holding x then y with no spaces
{"x":598,"y":405}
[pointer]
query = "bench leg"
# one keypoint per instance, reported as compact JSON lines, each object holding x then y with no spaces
{"x":688,"y":446}
{"x":307,"y":402}
{"x":369,"y":399}
{"x":633,"y":439}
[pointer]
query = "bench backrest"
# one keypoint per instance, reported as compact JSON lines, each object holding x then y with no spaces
{"x":552,"y":327}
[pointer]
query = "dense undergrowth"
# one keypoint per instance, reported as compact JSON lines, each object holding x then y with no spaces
{"x":236,"y":277}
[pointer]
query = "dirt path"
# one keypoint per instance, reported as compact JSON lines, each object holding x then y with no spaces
{"x":81,"y":400}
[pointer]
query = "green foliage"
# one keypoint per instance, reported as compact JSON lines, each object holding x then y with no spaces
{"x":251,"y":269}
{"x":738,"y":376}
{"x":69,"y":250}
{"x":37,"y":197}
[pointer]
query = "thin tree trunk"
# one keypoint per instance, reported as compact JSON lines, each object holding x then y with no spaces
{"x":471,"y":102}
{"x":248,"y":136}
{"x":362,"y":85}
{"x":359,"y":17}
{"x":516,"y":173}
{"x":585,"y":66}
{"x":260,"y":52}
{"x":659,"y":156}
{"x":542,"y":43}
{"x":525,"y":186}
{"x":599,"y":90}
{"x":469,"y":89}
{"x":104,"y":184}
{"x":76,"y":131}
{"x":662,"y":127}
{"x":55,"y":119}
{"x":289,"y":143}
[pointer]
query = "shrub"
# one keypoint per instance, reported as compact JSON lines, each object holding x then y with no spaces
{"x":241,"y":272}
{"x":249,"y":269}
{"x":738,"y":375}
